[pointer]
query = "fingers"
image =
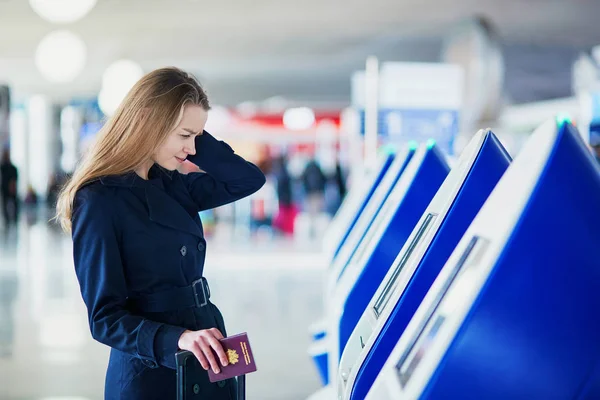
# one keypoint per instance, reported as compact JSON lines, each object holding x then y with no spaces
{"x":218,"y":348}
{"x":195,"y":348}
{"x":206,"y":344}
{"x":216,"y":333}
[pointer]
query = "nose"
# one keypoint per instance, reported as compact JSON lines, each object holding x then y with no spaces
{"x":190,"y":149}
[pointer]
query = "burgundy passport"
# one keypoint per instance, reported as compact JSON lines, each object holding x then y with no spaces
{"x":241,"y":360}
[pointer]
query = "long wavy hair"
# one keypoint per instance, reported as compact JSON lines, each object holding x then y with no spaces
{"x":139,"y":126}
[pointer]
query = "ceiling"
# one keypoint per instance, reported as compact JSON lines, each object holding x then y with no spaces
{"x":255,"y":49}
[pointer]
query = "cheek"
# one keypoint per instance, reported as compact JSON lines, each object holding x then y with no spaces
{"x":169,"y":150}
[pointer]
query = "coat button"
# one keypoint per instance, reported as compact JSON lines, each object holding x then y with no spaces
{"x":222,"y":383}
{"x":201,"y":246}
{"x":183,"y":250}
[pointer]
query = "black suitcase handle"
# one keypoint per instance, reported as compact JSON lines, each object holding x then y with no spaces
{"x":182,"y":357}
{"x":241,"y":387}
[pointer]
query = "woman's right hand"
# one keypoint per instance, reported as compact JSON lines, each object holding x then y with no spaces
{"x":200,"y":343}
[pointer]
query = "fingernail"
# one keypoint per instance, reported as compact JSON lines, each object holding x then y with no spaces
{"x":216,"y":370}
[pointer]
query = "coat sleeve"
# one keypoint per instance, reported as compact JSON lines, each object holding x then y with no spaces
{"x":227,"y":177}
{"x":99,"y":269}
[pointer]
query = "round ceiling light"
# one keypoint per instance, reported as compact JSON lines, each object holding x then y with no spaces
{"x":117,"y":80}
{"x":62,"y":11}
{"x":297,"y":119}
{"x":122,"y":74}
{"x":60,"y":56}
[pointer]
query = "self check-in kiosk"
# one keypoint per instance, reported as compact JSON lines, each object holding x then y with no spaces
{"x":319,"y":350}
{"x":380,"y":245}
{"x":514,"y":312}
{"x":354,"y":203}
{"x":368,"y":215}
{"x":442,"y":225}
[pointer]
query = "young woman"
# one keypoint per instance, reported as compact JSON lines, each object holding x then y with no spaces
{"x":138,"y":243}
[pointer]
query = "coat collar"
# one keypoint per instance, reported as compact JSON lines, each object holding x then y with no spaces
{"x":131,"y":179}
{"x":124,"y":180}
{"x":163,"y":209}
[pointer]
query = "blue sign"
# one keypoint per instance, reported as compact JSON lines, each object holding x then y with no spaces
{"x":89,"y":129}
{"x":400,"y":126}
{"x":594,"y":127}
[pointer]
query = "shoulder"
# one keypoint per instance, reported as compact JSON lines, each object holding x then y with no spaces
{"x":94,"y":212}
{"x":97,"y":196}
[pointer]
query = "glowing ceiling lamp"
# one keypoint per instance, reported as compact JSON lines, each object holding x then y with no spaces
{"x":117,"y":80}
{"x":60,"y":56}
{"x":62,"y":11}
{"x":298,"y":119}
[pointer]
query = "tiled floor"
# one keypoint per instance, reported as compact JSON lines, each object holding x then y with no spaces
{"x":46,"y":352}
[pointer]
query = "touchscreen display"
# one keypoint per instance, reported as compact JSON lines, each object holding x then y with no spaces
{"x":385,"y":296}
{"x":450,"y":294}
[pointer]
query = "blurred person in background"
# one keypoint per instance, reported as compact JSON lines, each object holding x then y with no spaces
{"x":31,"y":197}
{"x":286,"y":213}
{"x":263,"y":204}
{"x":340,"y":181}
{"x":314,"y":181}
{"x":8,"y":190}
{"x":138,"y":242}
{"x":337,"y":183}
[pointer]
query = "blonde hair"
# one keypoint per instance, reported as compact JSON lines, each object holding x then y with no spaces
{"x":144,"y":119}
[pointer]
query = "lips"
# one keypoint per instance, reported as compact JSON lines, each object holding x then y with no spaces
{"x":180,"y":159}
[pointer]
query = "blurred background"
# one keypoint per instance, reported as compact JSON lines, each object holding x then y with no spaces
{"x":310,"y":92}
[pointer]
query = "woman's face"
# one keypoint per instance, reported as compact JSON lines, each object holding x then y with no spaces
{"x":180,"y":142}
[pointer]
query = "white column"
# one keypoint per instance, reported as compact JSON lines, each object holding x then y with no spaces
{"x":371,"y":110}
{"x":40,"y":143}
{"x":4,"y":115}
{"x":19,"y":153}
{"x":71,"y":119}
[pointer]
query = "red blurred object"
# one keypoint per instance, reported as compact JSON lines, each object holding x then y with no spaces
{"x":276,"y":119}
{"x":285,"y":219}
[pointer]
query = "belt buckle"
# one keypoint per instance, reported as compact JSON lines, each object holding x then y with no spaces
{"x":205,"y":300}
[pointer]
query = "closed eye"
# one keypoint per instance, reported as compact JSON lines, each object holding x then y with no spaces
{"x":191,"y":132}
{"x":186,"y":136}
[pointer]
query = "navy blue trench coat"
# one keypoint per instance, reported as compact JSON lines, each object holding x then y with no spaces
{"x":135,"y":239}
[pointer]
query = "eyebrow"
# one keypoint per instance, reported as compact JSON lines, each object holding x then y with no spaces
{"x":190,"y":131}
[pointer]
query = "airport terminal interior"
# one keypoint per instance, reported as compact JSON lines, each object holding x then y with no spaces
{"x":427,"y":226}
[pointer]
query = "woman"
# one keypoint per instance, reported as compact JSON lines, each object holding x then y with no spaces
{"x":138,"y":243}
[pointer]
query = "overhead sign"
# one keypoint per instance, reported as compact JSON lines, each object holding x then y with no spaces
{"x":417,"y":101}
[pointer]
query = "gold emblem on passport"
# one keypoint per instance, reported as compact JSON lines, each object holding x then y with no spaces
{"x":232,"y":356}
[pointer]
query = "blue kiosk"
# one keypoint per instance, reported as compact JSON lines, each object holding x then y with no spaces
{"x":514,"y":312}
{"x":389,"y":231}
{"x":319,"y":350}
{"x":366,"y":218}
{"x":354,"y":203}
{"x":465,"y":190}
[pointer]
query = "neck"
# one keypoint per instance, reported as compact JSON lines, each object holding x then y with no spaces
{"x":143,"y":170}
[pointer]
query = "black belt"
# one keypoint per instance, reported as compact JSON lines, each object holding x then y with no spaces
{"x":195,"y":295}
